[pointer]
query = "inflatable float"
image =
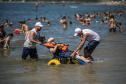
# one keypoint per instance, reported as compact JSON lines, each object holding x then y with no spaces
{"x":56,"y":61}
{"x":17,"y":31}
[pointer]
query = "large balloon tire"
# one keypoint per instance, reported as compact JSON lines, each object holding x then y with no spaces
{"x":54,"y":62}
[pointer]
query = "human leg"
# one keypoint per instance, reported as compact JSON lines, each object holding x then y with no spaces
{"x":88,"y":50}
{"x":25,"y":53}
{"x":110,"y":30}
{"x":33,"y":53}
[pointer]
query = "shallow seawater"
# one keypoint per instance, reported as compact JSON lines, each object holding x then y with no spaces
{"x":110,"y":58}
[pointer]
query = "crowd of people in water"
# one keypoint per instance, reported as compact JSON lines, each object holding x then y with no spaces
{"x":61,"y":50}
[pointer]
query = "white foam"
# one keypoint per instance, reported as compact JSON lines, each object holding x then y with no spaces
{"x":98,"y":60}
{"x":97,"y":21}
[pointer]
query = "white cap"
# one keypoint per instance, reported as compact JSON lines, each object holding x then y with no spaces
{"x":38,"y":24}
{"x":50,"y":39}
{"x":77,"y":30}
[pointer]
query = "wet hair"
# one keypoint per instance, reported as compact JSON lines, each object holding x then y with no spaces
{"x":11,"y":34}
{"x":64,"y":17}
{"x":120,"y":23}
{"x":22,"y":22}
{"x":42,"y":39}
{"x":44,"y":18}
{"x":70,"y":22}
{"x":112,"y":16}
{"x":1,"y":26}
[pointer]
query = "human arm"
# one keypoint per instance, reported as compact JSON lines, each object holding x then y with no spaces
{"x":53,"y":50}
{"x":24,"y":28}
{"x":80,"y":46}
{"x":1,"y":40}
{"x":32,"y":34}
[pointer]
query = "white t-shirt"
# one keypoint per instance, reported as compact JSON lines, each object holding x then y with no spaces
{"x":92,"y":35}
{"x":28,"y":43}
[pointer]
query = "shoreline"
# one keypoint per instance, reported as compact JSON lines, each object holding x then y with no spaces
{"x":71,"y":2}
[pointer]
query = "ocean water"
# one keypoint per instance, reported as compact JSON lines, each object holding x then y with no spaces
{"x":109,"y":67}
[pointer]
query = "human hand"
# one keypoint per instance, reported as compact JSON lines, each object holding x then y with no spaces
{"x":58,"y":44}
{"x":73,"y":54}
{"x":39,"y":43}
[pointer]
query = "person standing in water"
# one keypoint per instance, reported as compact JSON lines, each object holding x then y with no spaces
{"x":24,"y":26}
{"x":31,"y":40}
{"x":2,"y":36}
{"x":112,"y":24}
{"x":7,"y":41}
{"x":64,"y":22}
{"x":91,"y":37}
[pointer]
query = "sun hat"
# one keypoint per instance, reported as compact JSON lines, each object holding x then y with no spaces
{"x":50,"y":39}
{"x":38,"y":24}
{"x":77,"y":30}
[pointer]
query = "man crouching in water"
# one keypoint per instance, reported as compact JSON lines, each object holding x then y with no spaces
{"x":93,"y":40}
{"x":31,"y":41}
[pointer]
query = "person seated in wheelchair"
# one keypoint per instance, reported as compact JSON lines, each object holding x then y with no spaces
{"x":60,"y":51}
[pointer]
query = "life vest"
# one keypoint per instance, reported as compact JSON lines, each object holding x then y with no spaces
{"x":49,"y":45}
{"x":62,"y":47}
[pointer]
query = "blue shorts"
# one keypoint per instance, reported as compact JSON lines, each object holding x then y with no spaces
{"x":32,"y":52}
{"x":88,"y":50}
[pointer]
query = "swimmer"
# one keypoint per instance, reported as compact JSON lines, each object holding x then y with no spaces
{"x":64,"y":22}
{"x":24,"y":26}
{"x":7,"y":41}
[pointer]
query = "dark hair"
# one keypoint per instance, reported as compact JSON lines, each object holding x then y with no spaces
{"x":120,"y":23}
{"x":1,"y":26}
{"x":11,"y":34}
{"x":42,"y":39}
{"x":22,"y":22}
{"x":64,"y":17}
{"x":112,"y":16}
